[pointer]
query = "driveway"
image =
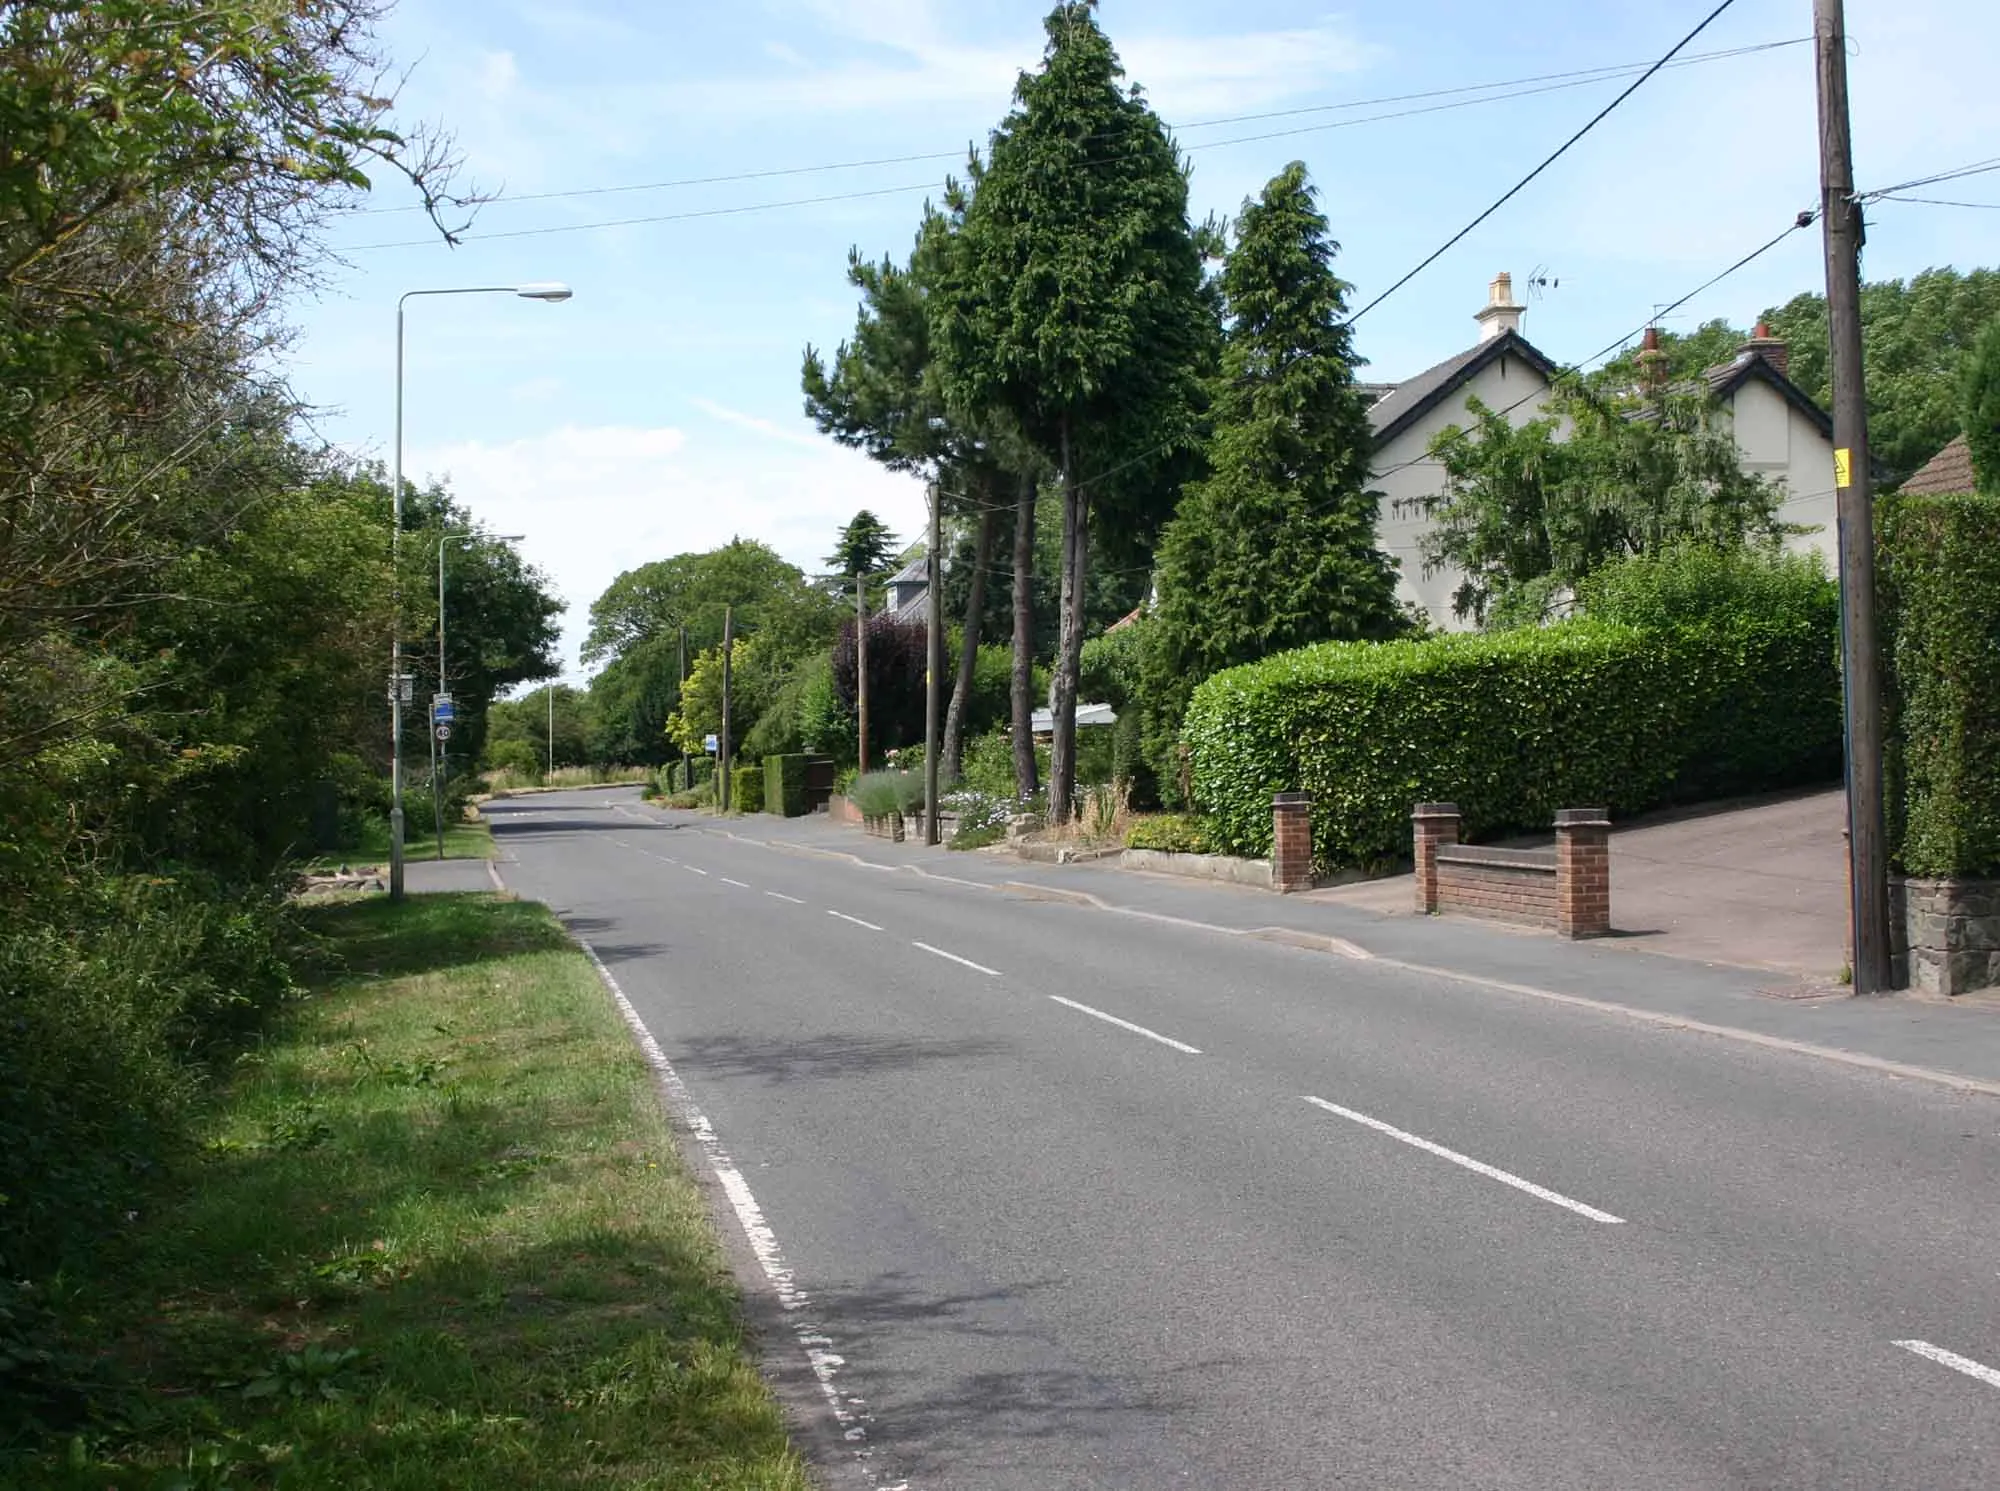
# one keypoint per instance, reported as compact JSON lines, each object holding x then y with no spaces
{"x":1761,"y":884}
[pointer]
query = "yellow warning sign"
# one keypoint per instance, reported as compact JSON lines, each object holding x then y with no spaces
{"x":1843,"y":468}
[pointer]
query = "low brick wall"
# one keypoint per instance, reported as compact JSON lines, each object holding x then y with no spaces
{"x":1568,"y":888}
{"x":1516,"y":885}
{"x":842,"y":810}
{"x":1945,"y":934}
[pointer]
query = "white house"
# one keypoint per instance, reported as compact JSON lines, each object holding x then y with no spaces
{"x":1781,"y":433}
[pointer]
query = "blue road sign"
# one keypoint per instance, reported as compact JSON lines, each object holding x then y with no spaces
{"x":442,"y":709}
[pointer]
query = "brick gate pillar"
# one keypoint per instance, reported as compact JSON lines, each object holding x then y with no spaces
{"x":1291,"y":842}
{"x":1436,"y":824}
{"x":1583,"y":872}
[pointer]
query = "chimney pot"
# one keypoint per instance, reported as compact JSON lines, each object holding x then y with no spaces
{"x":1501,"y":313}
{"x":1771,"y":348}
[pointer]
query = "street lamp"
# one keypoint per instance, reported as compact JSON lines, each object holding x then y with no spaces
{"x":546,"y":290}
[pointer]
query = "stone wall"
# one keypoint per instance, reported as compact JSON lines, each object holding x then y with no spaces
{"x":1945,"y":934}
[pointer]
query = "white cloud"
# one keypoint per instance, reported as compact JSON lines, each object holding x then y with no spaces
{"x":593,"y":502}
{"x":770,"y":429}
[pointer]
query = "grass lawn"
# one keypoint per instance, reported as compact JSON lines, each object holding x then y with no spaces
{"x":461,"y":841}
{"x":438,"y":1236}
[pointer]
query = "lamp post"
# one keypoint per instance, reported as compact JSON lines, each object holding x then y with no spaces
{"x":547,"y":290}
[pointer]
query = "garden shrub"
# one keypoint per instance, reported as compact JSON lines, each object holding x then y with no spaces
{"x":1940,"y":582}
{"x":989,"y":764}
{"x":1695,"y":586}
{"x":785,"y":785}
{"x":880,"y":793}
{"x":746,"y":789}
{"x":1510,"y":726}
{"x":1171,"y":833}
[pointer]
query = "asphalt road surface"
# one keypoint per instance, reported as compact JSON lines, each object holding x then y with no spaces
{"x":1055,"y":1198}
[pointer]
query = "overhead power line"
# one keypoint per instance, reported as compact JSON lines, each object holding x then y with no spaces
{"x":1554,"y":156}
{"x":1500,"y":92}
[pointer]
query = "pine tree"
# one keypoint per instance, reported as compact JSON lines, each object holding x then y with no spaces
{"x":863,"y":548}
{"x":1276,"y":547}
{"x":1982,"y":408}
{"x":1079,"y":318}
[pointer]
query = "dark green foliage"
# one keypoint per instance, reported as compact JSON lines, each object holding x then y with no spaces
{"x":1687,"y":355}
{"x":1276,"y":547}
{"x":1980,"y":402}
{"x":1075,"y":314}
{"x":1916,"y":336}
{"x":1171,"y":833}
{"x":785,"y":785}
{"x":746,"y":789}
{"x":865,"y":547}
{"x":1109,"y":669}
{"x":1940,"y":577}
{"x":1511,"y":726}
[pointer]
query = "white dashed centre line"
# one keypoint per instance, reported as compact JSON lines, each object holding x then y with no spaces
{"x":855,"y":919}
{"x":1151,"y":1035}
{"x":781,"y":896}
{"x":737,"y":883}
{"x":1978,"y":1371}
{"x":1491,"y":1172}
{"x":976,"y":967}
{"x":695,"y":871}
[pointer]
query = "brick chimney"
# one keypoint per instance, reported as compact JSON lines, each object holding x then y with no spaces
{"x":1501,"y":313}
{"x":1652,"y":363}
{"x":1772,"y":349}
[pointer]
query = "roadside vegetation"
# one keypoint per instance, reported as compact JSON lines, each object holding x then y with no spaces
{"x":433,"y":1232}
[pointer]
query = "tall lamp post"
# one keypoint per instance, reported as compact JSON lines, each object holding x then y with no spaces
{"x":547,"y":290}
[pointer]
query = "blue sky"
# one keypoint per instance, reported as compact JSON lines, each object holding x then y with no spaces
{"x":659,"y":410}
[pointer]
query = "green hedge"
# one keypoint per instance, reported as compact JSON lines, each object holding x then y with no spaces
{"x":785,"y":785}
{"x":1174,"y":833}
{"x":1940,"y":583}
{"x":1510,"y":726}
{"x":746,"y":789}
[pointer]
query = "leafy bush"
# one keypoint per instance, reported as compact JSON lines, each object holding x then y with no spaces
{"x":516,"y":756}
{"x":989,"y":764}
{"x":1693,"y":586}
{"x":785,"y":785}
{"x":1941,"y":590}
{"x":113,"y":991}
{"x":1109,"y":670}
{"x":880,"y":793}
{"x":1172,"y":833}
{"x":982,"y":818}
{"x":746,"y":789}
{"x":1511,"y":726}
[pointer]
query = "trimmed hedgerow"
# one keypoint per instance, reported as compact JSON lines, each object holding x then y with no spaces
{"x":1174,"y":833}
{"x":1510,"y":726}
{"x":1940,"y":581}
{"x":785,"y":785}
{"x":746,"y":789}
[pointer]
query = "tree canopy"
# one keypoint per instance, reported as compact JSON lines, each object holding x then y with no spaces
{"x":1980,"y":402}
{"x":1276,"y":547}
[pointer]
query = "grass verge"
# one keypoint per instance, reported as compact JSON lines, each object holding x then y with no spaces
{"x":461,"y":841}
{"x":438,"y":1236}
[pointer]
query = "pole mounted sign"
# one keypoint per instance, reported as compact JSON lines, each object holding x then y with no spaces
{"x":442,"y":709}
{"x":443,"y":730}
{"x":708,"y":743}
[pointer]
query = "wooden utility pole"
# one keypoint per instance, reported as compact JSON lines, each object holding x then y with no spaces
{"x":1840,"y":219}
{"x":722,"y":736}
{"x":933,"y":667}
{"x":860,"y":672}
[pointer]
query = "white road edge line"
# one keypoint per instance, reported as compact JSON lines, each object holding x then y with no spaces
{"x":740,"y":885}
{"x":778,"y":895}
{"x":978,"y":967}
{"x":1953,"y":1360}
{"x":702,"y":873}
{"x":848,"y":1412}
{"x":1151,"y":1035}
{"x":855,"y":919}
{"x":1491,"y":1172}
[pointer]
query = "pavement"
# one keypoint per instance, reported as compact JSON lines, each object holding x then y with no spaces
{"x":1063,"y":1176}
